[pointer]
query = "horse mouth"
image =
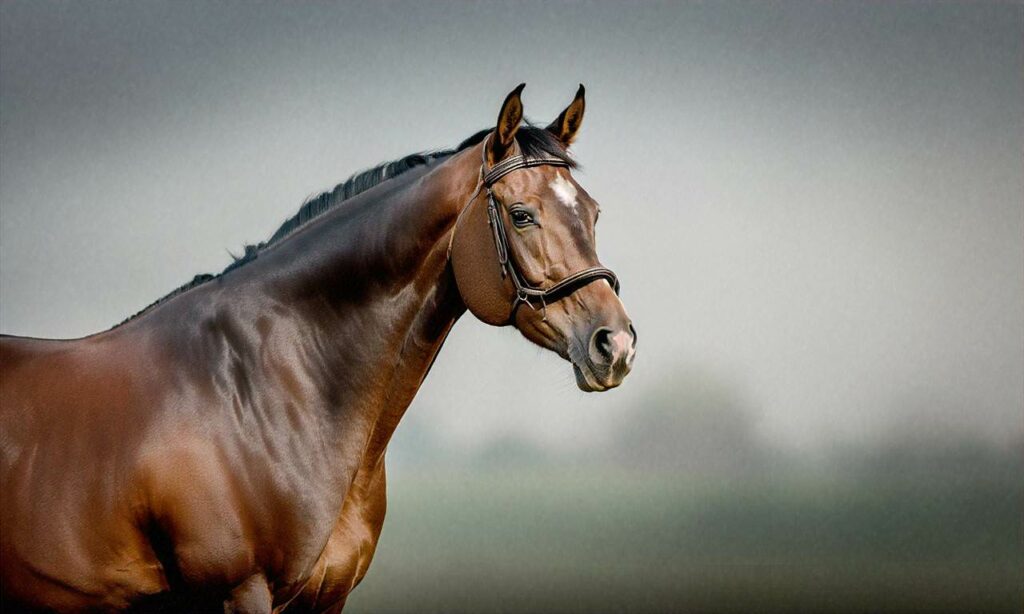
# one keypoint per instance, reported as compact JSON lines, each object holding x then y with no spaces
{"x":587,"y":381}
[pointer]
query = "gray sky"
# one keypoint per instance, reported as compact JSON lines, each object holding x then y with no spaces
{"x":818,"y":204}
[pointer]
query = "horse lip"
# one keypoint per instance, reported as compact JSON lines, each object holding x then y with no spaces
{"x":585,"y":379}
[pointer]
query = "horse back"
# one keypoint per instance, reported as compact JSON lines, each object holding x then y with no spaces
{"x":47,"y":385}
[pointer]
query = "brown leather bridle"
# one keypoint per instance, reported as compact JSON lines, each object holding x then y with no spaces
{"x":526,"y":293}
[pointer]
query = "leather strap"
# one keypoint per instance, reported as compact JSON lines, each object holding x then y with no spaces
{"x":515,"y":163}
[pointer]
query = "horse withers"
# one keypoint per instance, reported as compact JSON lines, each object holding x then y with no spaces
{"x":224,"y":448}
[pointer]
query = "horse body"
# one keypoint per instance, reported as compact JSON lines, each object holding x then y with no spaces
{"x":186,"y":419}
{"x":226,"y":447}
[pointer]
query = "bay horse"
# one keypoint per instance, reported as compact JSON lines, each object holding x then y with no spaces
{"x":223,"y":450}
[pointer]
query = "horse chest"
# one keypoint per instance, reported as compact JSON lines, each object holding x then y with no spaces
{"x":351,"y":545}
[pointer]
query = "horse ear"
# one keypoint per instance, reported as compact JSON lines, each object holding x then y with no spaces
{"x":569,"y":121}
{"x":508,"y":124}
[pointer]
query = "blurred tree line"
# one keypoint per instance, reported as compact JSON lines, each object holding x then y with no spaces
{"x":699,"y":424}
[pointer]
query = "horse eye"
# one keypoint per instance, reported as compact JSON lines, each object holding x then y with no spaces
{"x":521,"y":218}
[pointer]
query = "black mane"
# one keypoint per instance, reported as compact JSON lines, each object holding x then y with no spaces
{"x":532,"y":141}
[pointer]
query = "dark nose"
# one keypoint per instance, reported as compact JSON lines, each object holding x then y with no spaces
{"x":612,"y":351}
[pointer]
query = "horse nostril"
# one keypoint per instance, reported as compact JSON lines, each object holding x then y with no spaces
{"x":632,"y":331}
{"x":602,"y":343}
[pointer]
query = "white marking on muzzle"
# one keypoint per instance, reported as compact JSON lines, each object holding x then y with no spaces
{"x":622,"y":344}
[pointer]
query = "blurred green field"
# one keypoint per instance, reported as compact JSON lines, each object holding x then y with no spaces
{"x":579,"y":539}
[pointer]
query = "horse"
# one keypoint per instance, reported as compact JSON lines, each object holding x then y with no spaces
{"x":224,"y":448}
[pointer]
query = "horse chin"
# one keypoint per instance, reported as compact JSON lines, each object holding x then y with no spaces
{"x":585,"y":379}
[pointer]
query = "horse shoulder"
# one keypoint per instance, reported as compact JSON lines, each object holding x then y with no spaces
{"x":66,"y":439}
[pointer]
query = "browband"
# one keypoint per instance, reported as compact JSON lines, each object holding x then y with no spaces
{"x":515,"y":163}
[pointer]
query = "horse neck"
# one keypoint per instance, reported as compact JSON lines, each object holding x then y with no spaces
{"x":358,"y":302}
{"x":340,"y":320}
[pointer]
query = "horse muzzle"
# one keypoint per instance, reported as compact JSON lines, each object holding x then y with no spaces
{"x":608,"y":358}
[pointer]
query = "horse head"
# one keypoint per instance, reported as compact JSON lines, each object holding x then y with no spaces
{"x":524,"y":250}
